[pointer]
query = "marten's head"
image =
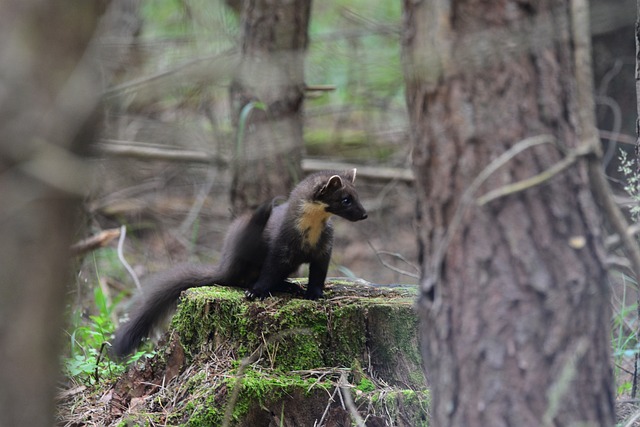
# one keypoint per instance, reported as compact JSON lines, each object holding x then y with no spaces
{"x":337,"y":193}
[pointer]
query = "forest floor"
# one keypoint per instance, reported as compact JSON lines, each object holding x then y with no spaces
{"x":169,"y":222}
{"x":360,"y":341}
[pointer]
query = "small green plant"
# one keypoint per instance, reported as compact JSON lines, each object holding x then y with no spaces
{"x":87,"y":359}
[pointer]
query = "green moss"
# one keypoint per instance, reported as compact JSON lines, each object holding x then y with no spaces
{"x":295,"y":334}
{"x":210,"y":315}
{"x":393,"y":336}
{"x":140,"y":421}
{"x":348,"y":332}
{"x":258,"y":389}
{"x":365,"y":385}
{"x":262,"y":387}
{"x":261,"y":390}
{"x":291,"y":336}
{"x":203,"y":414}
{"x":368,"y":324}
{"x":416,"y":378}
{"x":396,"y":331}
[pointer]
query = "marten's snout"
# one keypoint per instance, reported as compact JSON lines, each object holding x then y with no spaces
{"x":359,"y":215}
{"x":354,"y":215}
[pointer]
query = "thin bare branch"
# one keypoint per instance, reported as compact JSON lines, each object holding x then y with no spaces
{"x":613,"y":242}
{"x":141,"y":150}
{"x":468,"y":197}
{"x":618,"y":137}
{"x":212,"y":68}
{"x":391,"y":267}
{"x":372,"y":172}
{"x":94,"y":242}
{"x":538,"y":179}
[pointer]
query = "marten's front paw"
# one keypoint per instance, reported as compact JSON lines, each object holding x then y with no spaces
{"x":313,"y":294}
{"x":252,"y":294}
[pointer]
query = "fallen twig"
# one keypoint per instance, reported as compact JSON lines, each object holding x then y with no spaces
{"x":96,"y":241}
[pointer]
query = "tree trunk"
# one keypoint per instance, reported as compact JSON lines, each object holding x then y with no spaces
{"x":514,"y":304}
{"x":637,"y":79}
{"x":45,"y":100}
{"x":267,"y":97}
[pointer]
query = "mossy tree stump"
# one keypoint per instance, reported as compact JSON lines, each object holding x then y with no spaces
{"x":287,"y":361}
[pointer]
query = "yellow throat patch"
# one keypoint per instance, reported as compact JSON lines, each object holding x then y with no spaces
{"x":311,"y":222}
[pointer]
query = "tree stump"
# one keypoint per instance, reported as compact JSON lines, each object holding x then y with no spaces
{"x":287,"y":361}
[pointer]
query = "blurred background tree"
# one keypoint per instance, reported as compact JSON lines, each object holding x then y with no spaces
{"x":267,"y":94}
{"x":47,"y":98}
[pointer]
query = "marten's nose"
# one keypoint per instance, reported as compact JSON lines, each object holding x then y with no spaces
{"x":364,"y":216}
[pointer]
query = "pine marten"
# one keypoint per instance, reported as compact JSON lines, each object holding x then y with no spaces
{"x":260,"y":251}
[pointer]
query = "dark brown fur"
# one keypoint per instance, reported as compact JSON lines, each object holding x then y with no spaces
{"x":260,"y":251}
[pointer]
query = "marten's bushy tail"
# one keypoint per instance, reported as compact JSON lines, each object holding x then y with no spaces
{"x":244,"y":252}
{"x":158,"y":297}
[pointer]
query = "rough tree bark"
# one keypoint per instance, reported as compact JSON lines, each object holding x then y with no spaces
{"x":514,"y":305}
{"x":269,"y":145}
{"x":45,"y":99}
{"x":636,"y":364}
{"x":637,"y":78}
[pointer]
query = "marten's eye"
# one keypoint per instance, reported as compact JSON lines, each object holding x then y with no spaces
{"x":346,"y":201}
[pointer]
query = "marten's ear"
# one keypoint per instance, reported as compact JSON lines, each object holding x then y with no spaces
{"x":334,"y":183}
{"x":352,"y":174}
